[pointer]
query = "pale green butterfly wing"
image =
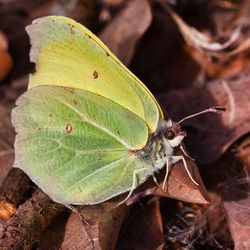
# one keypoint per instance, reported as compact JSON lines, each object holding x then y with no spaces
{"x":76,"y":145}
{"x":67,"y":54}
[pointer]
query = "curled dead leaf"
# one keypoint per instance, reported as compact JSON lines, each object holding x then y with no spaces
{"x":179,"y":185}
{"x":207,"y":45}
{"x":221,"y":51}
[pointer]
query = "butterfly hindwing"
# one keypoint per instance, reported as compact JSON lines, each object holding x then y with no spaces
{"x":76,"y":145}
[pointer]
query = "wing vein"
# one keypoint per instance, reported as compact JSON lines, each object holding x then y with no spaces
{"x":94,"y":124}
{"x":96,"y":171}
{"x":81,"y":151}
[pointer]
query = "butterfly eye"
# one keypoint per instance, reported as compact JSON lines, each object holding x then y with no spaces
{"x":170,"y":134}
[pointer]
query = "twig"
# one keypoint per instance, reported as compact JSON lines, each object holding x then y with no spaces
{"x":25,"y":228}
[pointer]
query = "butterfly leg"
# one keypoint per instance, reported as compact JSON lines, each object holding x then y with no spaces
{"x":186,"y":154}
{"x":155,"y":180}
{"x":134,"y":184}
{"x":166,"y":175}
{"x":178,"y":158}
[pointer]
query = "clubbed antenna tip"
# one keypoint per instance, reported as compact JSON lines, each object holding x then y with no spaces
{"x":216,"y":109}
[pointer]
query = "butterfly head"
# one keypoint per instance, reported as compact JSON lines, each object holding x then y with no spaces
{"x":174,"y":135}
{"x":172,"y":131}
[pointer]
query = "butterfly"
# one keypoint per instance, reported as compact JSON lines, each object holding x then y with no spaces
{"x":87,"y":128}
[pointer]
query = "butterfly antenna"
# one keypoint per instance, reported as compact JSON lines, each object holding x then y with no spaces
{"x":216,"y":109}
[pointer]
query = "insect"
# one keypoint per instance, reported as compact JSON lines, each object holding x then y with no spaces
{"x":87,"y":128}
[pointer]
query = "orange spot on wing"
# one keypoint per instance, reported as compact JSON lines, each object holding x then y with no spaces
{"x":71,"y":30}
{"x":68,"y":128}
{"x":95,"y":74}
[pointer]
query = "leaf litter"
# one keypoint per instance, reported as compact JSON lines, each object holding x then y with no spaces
{"x":171,"y":67}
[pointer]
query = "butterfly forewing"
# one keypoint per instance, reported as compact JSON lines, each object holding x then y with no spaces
{"x":67,"y":54}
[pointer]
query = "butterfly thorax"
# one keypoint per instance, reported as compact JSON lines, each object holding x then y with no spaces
{"x":162,"y":144}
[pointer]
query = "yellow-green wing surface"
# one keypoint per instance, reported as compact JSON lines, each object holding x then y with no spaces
{"x":68,"y":54}
{"x":75,"y":144}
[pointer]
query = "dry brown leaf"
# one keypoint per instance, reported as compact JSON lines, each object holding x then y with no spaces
{"x":235,"y":39}
{"x":110,"y":225}
{"x":238,"y":213}
{"x":210,"y":135}
{"x":229,"y":178}
{"x":236,"y":196}
{"x":143,"y":230}
{"x":180,"y":186}
{"x":159,"y":60}
{"x":201,"y":41}
{"x":216,"y":70}
{"x":102,"y":225}
{"x":226,"y":49}
{"x":125,"y":30}
{"x":216,"y":219}
{"x":236,"y":202}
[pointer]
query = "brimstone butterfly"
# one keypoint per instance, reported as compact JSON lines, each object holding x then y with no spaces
{"x":87,"y":128}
